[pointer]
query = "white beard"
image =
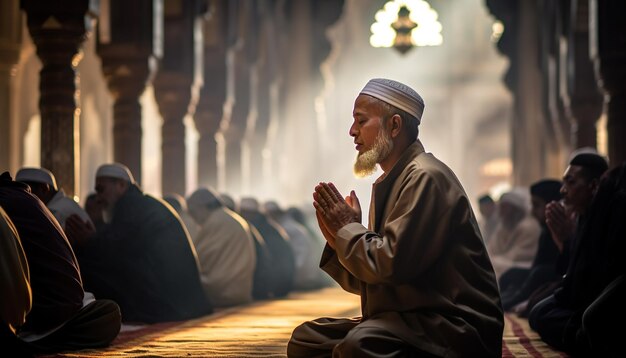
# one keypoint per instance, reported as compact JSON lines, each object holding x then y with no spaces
{"x":365,"y":164}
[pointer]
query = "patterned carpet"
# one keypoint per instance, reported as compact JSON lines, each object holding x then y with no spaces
{"x":262,"y":329}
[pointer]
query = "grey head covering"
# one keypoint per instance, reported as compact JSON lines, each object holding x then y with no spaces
{"x":396,"y":94}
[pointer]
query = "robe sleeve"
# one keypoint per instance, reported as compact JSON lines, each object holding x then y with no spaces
{"x":414,"y":234}
{"x":333,"y":267}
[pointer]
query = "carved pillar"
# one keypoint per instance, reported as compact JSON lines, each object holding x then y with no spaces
{"x":58,"y":30}
{"x":265,"y":72}
{"x":233,"y":124}
{"x":586,"y":100}
{"x":608,"y":51}
{"x":324,"y":14}
{"x":176,"y":86}
{"x":301,"y":30}
{"x":520,"y":43}
{"x":213,"y":95}
{"x":10,"y":41}
{"x":272,"y":150}
{"x":555,"y":122}
{"x":129,"y":44}
{"x":251,"y":140}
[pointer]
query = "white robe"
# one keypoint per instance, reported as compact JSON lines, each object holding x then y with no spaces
{"x":227,"y":258}
{"x":514,"y":247}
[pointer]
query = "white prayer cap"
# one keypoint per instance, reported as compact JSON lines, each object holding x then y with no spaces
{"x":396,"y":94}
{"x":37,"y":175}
{"x":204,"y":197}
{"x":518,"y":197}
{"x":248,"y":204}
{"x":115,"y":170}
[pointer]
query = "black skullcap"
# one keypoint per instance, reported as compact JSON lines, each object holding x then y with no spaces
{"x":547,"y":189}
{"x":595,"y":165}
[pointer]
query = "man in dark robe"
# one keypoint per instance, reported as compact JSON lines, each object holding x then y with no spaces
{"x":276,"y":241}
{"x":142,"y":257}
{"x":558,"y":317}
{"x":62,"y":316}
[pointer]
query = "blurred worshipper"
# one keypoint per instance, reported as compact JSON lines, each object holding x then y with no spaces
{"x":489,"y":217}
{"x":15,"y":287}
{"x":142,"y":257}
{"x":517,"y":284}
{"x":95,"y":210}
{"x":426,"y":284}
{"x":307,"y":274}
{"x":264,"y":271}
{"x":225,"y":250}
{"x":576,"y":318}
{"x":580,"y":182}
{"x":63,"y":316}
{"x":277,"y":242}
{"x":515,"y":241}
{"x":566,"y":217}
{"x":44,"y":185}
{"x":179,"y":204}
{"x":228,"y":201}
{"x":304,"y":219}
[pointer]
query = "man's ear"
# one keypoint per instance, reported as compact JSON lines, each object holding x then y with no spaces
{"x":396,"y":125}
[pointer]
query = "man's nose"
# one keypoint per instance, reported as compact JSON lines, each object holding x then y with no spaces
{"x":353,"y":132}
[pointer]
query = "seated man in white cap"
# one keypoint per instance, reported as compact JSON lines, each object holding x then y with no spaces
{"x":44,"y":185}
{"x":225,"y":250}
{"x":515,"y":241}
{"x":142,"y":257}
{"x":427,"y":286}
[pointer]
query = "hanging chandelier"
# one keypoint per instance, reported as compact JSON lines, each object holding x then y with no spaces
{"x":404,"y":24}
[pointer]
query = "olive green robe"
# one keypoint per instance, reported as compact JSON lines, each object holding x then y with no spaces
{"x":421,"y":269}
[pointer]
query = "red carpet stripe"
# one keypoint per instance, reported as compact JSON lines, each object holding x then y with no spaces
{"x":523,"y":338}
{"x":506,"y":353}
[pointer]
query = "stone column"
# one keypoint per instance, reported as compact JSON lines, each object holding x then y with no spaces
{"x":586,"y":100}
{"x":176,"y":86}
{"x":209,"y":111}
{"x":557,"y":121}
{"x":10,"y":42}
{"x":58,"y":30}
{"x":129,"y":44}
{"x":277,"y":59}
{"x":233,"y":124}
{"x":520,"y":43}
{"x":608,"y":51}
{"x":324,"y":14}
{"x":251,"y":141}
{"x":264,"y":75}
